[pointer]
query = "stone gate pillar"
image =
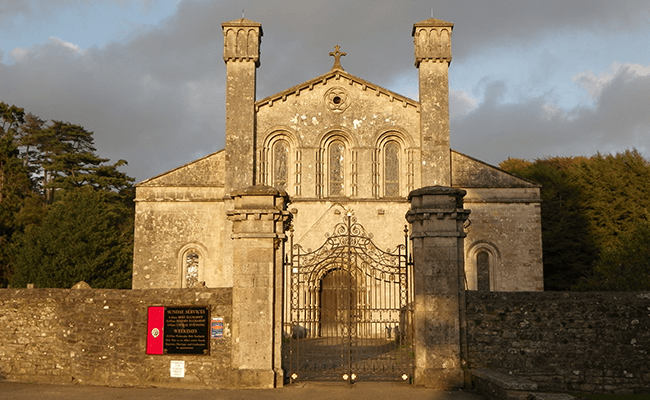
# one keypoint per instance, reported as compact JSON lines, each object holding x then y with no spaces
{"x":259,"y":219}
{"x":437,"y":217}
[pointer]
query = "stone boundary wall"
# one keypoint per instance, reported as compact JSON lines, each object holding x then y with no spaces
{"x":585,"y":342}
{"x":563,"y":341}
{"x":98,"y":337}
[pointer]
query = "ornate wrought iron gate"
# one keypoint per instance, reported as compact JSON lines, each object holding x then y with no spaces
{"x":348,"y":309}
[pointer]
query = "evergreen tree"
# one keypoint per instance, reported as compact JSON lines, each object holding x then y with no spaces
{"x":568,"y":247}
{"x":65,"y":214}
{"x":625,"y":267}
{"x":85,"y":235}
{"x":12,"y":174}
{"x":63,"y":154}
{"x":15,"y":183}
{"x":615,"y":191}
{"x":590,"y":209}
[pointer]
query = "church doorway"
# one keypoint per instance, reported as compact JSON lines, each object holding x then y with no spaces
{"x":348,"y":311}
{"x":337,"y":302}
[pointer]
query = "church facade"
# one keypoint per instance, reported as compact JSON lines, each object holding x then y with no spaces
{"x":337,"y":145}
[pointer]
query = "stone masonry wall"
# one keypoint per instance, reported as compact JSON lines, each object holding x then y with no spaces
{"x":98,"y":337}
{"x":590,"y":342}
{"x":583,"y":342}
{"x":512,"y":233}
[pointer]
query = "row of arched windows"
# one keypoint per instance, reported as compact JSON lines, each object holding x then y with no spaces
{"x":479,"y":270}
{"x":336,"y":167}
{"x":478,"y":273}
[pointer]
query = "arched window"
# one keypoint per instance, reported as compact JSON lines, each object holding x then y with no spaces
{"x":391,"y":169}
{"x":191,"y":261}
{"x":483,"y":271}
{"x":280,"y":164}
{"x":481,"y":267}
{"x":337,"y":168}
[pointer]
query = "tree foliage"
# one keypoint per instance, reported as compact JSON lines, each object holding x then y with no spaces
{"x":624,"y":267}
{"x":65,"y":213}
{"x":591,"y":209}
{"x":63,"y":155}
{"x":615,"y":189}
{"x":83,"y":237}
{"x":15,"y":183}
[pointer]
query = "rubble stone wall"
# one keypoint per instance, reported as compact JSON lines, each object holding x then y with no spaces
{"x":583,"y":342}
{"x":98,"y":337}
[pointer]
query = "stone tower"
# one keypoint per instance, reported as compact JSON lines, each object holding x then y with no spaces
{"x":241,"y":53}
{"x":432,"y":40}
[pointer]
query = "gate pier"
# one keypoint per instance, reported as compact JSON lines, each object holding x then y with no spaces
{"x":437,"y":222}
{"x":259,"y":219}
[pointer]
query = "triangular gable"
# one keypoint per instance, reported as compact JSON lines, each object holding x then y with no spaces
{"x":469,"y":172}
{"x":207,"y":171}
{"x":333,"y":76}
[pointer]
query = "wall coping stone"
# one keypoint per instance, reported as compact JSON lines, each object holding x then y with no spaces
{"x":437,"y":190}
{"x":259,"y":190}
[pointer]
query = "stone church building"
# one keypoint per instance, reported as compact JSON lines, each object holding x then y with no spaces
{"x":337,"y":145}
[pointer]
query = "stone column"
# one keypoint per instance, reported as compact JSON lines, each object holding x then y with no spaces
{"x":259,"y":218}
{"x":437,"y":217}
{"x":241,"y":53}
{"x":432,"y":40}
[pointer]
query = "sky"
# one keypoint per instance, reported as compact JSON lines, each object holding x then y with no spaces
{"x":529,"y":79}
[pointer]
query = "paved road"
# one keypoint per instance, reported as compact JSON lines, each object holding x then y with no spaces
{"x":305,"y":391}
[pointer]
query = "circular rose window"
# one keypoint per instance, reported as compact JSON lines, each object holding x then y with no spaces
{"x":337,"y":99}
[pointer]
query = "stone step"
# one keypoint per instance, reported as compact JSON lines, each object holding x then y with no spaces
{"x":502,"y":386}
{"x":549,"y":396}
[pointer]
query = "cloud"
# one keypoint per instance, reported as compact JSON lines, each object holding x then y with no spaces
{"x":524,"y":23}
{"x":594,"y":83}
{"x":155,"y":100}
{"x":60,"y":42}
{"x":460,"y":103}
{"x":18,"y":54}
{"x":618,"y":119}
{"x":156,"y":97}
{"x":44,"y":51}
{"x":37,"y":9}
{"x":10,"y":8}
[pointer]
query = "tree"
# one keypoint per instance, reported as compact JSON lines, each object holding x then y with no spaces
{"x":15,"y":183}
{"x":12,"y":173}
{"x":615,"y":191}
{"x":64,"y":156}
{"x":86,"y":235}
{"x":568,"y":247}
{"x":625,"y":267}
{"x":49,"y":172}
{"x":591,"y":208}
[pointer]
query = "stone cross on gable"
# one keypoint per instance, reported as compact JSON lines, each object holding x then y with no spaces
{"x":337,"y":57}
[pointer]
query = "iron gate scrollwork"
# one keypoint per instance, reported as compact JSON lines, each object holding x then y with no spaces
{"x":348,"y":311}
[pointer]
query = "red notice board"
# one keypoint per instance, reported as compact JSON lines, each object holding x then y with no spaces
{"x":155,"y":328}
